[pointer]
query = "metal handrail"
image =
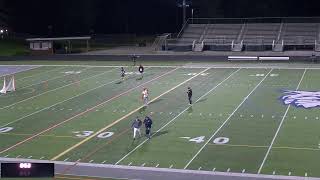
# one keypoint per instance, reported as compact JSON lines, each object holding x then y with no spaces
{"x":180,"y":32}
{"x":273,"y":44}
{"x":160,"y":39}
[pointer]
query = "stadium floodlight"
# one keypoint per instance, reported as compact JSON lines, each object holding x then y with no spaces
{"x":184,"y":4}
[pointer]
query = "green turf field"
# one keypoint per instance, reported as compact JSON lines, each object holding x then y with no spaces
{"x":238,"y":122}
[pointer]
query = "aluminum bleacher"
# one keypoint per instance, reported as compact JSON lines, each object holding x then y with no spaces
{"x":191,"y":33}
{"x":261,"y":33}
{"x":300,"y":33}
{"x":222,"y":33}
{"x":257,"y":34}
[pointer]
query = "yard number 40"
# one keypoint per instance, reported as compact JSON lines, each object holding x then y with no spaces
{"x":219,"y":140}
{"x":5,"y":129}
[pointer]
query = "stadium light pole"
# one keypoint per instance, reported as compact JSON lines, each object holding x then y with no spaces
{"x":184,"y":10}
{"x":184,"y":5}
{"x":192,"y":15}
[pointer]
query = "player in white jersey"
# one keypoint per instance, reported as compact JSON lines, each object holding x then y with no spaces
{"x":145,"y":96}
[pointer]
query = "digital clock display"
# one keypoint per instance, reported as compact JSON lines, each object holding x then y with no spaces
{"x":25,"y":169}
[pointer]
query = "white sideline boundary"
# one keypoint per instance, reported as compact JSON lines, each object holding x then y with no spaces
{"x":110,"y":166}
{"x":280,"y":125}
{"x":227,"y":120}
{"x":194,"y":66}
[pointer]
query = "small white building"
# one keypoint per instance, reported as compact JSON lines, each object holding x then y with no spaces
{"x":44,"y":46}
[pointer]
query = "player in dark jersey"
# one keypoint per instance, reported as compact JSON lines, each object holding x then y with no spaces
{"x":141,"y":70}
{"x":147,"y":123}
{"x":189,"y":92}
{"x":123,"y":73}
{"x":134,"y":59}
{"x":136,"y":127}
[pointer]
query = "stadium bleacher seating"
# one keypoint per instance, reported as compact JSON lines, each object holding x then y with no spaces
{"x":222,"y":33}
{"x":254,"y":36}
{"x":300,"y":33}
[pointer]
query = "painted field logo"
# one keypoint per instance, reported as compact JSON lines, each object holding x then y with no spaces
{"x":305,"y":99}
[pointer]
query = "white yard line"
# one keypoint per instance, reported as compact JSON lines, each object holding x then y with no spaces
{"x":225,"y":122}
{"x":19,"y":119}
{"x":176,"y":116}
{"x":280,"y":125}
{"x":32,"y":97}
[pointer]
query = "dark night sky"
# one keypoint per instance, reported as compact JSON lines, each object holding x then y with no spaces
{"x":77,"y":17}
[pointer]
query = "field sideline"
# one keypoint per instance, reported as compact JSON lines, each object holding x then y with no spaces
{"x":240,"y":121}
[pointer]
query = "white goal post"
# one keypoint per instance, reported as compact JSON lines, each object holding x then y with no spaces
{"x":8,"y":84}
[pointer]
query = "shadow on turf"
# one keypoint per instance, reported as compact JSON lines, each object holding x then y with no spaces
{"x":146,"y":146}
{"x":156,"y":101}
{"x":202,"y":100}
{"x":142,"y":110}
{"x":144,"y":75}
{"x":160,"y":133}
{"x":135,"y":77}
{"x":127,"y":78}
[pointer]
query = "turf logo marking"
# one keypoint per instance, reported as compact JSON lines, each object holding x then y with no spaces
{"x":132,"y":73}
{"x":262,"y":75}
{"x":305,"y":99}
{"x":257,"y":75}
{"x":194,"y":74}
{"x":72,"y":72}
